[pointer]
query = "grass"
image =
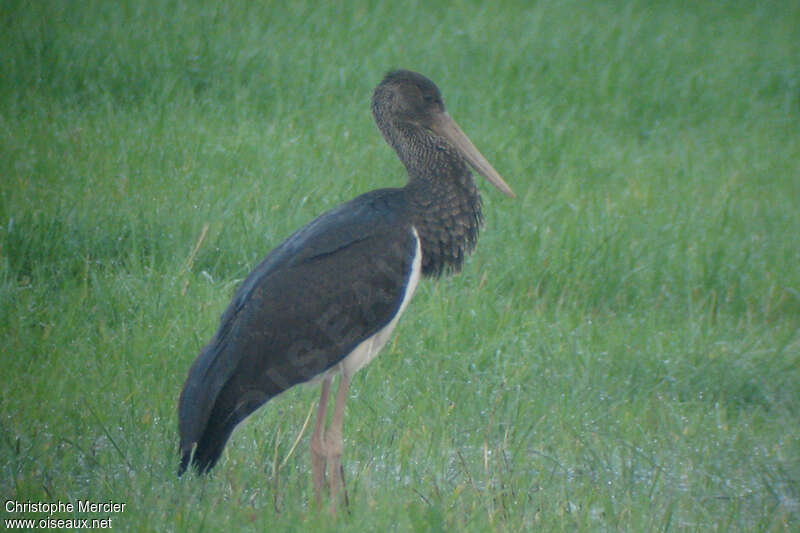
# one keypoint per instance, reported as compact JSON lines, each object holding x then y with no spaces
{"x":620,"y":353}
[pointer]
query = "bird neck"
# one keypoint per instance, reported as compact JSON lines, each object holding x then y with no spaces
{"x":442,"y":197}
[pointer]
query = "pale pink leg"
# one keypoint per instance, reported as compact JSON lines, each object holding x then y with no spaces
{"x":318,"y":442}
{"x":333,"y":441}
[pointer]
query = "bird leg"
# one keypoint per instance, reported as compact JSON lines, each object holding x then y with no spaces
{"x":334,"y":444}
{"x":327,"y":444}
{"x":318,"y":444}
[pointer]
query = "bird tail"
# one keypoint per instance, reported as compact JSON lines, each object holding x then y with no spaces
{"x":208,"y":449}
{"x":229,"y":409}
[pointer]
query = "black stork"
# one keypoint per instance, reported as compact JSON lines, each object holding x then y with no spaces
{"x":326,"y":300}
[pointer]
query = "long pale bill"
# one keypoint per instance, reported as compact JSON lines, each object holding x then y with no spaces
{"x":445,"y":126}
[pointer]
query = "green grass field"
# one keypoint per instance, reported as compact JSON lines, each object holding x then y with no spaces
{"x":621,"y":353}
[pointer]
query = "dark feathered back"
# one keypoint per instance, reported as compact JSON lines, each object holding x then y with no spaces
{"x":330,"y":286}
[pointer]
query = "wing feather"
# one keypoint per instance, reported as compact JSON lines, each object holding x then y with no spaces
{"x":313,"y":299}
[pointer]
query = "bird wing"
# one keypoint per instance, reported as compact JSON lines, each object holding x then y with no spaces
{"x":306,"y":306}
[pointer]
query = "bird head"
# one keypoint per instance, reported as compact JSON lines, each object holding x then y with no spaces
{"x":409,"y":98}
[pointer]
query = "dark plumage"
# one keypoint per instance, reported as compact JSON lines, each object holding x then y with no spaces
{"x":287,"y":323}
{"x":328,"y":297}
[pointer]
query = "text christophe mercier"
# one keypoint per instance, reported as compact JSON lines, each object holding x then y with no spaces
{"x":107,"y":508}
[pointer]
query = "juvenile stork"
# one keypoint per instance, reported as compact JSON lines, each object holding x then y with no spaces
{"x":326,"y":300}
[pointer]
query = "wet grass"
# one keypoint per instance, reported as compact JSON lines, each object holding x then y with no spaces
{"x":620,"y":353}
